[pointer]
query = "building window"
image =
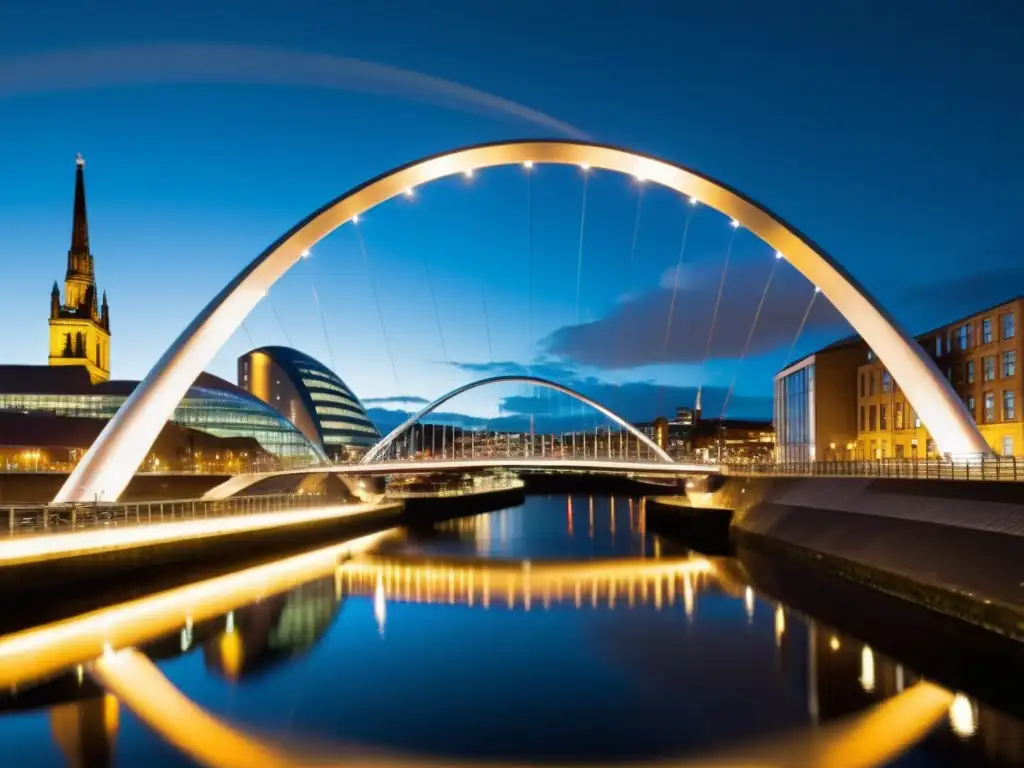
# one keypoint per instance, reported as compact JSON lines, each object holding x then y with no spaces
{"x":863,"y":386}
{"x":883,"y":417}
{"x":938,"y":346}
{"x":862,"y":424}
{"x":871,"y":355}
{"x":989,"y":365}
{"x":871,"y":383}
{"x":899,"y":450}
{"x":886,"y":381}
{"x":986,"y":331}
{"x":1008,"y":328}
{"x":929,"y":447}
{"x":1009,"y":406}
{"x":971,"y":405}
{"x":1007,"y":445}
{"x":898,"y":416}
{"x":970,"y":371}
{"x":1009,"y":363}
{"x":990,"y":407}
{"x":917,"y":422}
{"x":963,"y":334}
{"x":872,"y":413}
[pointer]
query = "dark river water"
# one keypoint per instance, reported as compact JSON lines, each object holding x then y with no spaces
{"x":548,"y":632}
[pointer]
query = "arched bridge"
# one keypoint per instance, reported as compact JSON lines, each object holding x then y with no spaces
{"x":107,"y":467}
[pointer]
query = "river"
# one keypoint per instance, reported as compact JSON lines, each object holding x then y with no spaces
{"x":561,"y":630}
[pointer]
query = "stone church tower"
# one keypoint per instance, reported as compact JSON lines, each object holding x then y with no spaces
{"x":80,"y":326}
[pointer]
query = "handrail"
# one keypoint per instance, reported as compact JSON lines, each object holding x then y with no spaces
{"x":35,"y":519}
{"x":1006,"y":469}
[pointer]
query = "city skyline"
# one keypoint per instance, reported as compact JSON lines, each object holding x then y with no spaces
{"x":225,"y":211}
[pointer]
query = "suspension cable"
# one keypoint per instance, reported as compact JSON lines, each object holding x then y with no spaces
{"x":252,"y":344}
{"x":800,"y":328}
{"x":675,"y":281}
{"x":274,"y":310}
{"x":579,"y":254}
{"x":750,"y":335}
{"x":529,"y":267}
{"x":437,"y":314}
{"x":718,"y":298}
{"x":376,"y":300}
{"x":323,"y":324}
{"x":487,"y":320}
{"x":629,"y":265}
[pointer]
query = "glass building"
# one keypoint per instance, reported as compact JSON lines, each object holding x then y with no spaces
{"x":794,"y":413}
{"x":312,"y":397}
{"x":212,"y":405}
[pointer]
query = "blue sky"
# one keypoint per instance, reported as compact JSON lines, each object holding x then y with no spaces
{"x":889,"y":135}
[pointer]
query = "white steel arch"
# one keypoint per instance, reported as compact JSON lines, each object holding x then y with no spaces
{"x":385,"y":442}
{"x":121,"y":447}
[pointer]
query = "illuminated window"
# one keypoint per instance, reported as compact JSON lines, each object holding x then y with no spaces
{"x":970,"y":371}
{"x":990,"y":407}
{"x":1009,"y":363}
{"x":986,"y":331}
{"x":989,"y":368}
{"x":883,"y":417}
{"x":898,"y":416}
{"x":963,"y":335}
{"x":1009,"y":405}
{"x":971,"y":405}
{"x":886,"y":381}
{"x":1008,"y":326}
{"x":872,"y":413}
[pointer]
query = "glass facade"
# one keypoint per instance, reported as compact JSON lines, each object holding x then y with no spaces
{"x":222,"y":413}
{"x":321,"y":402}
{"x":794,"y":415}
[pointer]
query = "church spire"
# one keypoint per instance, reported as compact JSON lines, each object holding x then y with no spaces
{"x":79,"y":258}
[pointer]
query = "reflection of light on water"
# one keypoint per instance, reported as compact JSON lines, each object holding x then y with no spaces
{"x":380,"y":605}
{"x":748,"y":603}
{"x":961,"y":717}
{"x":688,"y":595}
{"x":867,"y":669}
{"x":899,"y":678}
{"x":230,"y":622}
{"x":780,"y":624}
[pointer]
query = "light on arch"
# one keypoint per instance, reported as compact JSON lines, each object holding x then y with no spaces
{"x":468,"y":173}
{"x":584,"y":167}
{"x":305,"y":253}
{"x":693,"y":200}
{"x":778,"y":255}
{"x":410,"y":192}
{"x":528,"y":164}
{"x":355,"y":218}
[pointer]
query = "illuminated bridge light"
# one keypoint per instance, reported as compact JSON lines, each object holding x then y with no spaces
{"x":833,"y":643}
{"x":528,"y":164}
{"x":867,"y":669}
{"x":962,"y":718}
{"x":780,"y":624}
{"x":748,"y":603}
{"x":693,"y":200}
{"x":734,"y":223}
{"x":410,"y":192}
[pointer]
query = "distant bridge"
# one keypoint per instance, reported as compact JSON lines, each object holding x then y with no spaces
{"x":239,"y":483}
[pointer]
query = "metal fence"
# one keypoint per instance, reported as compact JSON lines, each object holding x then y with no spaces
{"x":440,"y":491}
{"x":47,"y":519}
{"x":1008,"y":469}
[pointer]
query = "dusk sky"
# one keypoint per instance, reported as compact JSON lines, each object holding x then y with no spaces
{"x":889,"y":133}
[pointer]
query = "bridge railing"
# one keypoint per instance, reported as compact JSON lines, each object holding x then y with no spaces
{"x":20,"y":520}
{"x":997,"y":468}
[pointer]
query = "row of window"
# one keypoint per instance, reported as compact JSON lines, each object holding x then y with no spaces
{"x":347,"y":425}
{"x":342,"y":396}
{"x":962,"y":336}
{"x":989,"y":410}
{"x":988,"y":367}
{"x":332,"y":410}
{"x":877,"y":417}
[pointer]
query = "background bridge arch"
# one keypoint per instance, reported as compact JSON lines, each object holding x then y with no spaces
{"x":381,"y":448}
{"x":109,"y":464}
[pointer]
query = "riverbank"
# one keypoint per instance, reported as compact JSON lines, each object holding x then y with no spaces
{"x":953,"y":547}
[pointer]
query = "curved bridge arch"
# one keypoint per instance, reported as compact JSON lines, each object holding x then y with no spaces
{"x":378,"y":450}
{"x":121,"y":447}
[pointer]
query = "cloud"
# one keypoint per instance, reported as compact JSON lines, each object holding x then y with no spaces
{"x":395,"y":399}
{"x":164,"y":63}
{"x":544,"y":369}
{"x":926,"y":306}
{"x":633,"y":333}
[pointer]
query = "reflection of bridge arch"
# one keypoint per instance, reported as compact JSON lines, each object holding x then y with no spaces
{"x":122,"y":445}
{"x":380,"y":448}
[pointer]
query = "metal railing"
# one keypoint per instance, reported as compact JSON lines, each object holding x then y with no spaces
{"x":19,"y":520}
{"x":498,"y":484}
{"x":997,"y":468}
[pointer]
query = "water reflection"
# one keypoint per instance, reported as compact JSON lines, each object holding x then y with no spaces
{"x":595,"y":615}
